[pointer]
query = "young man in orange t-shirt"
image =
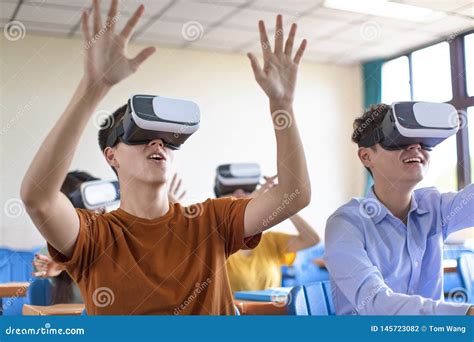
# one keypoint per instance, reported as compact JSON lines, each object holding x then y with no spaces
{"x":150,"y":256}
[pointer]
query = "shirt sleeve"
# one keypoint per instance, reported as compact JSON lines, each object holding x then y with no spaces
{"x":229,"y":214}
{"x":457,"y":210}
{"x":86,"y":246}
{"x":362,"y":283}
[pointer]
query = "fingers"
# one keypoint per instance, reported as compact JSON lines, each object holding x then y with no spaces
{"x":279,"y":34}
{"x":85,"y":26}
{"x":142,"y":56}
{"x":97,"y":19}
{"x":300,"y":51}
{"x":110,"y":23}
{"x":41,"y":274}
{"x":257,"y":70}
{"x":180,"y":197}
{"x":290,"y":41}
{"x":173,"y":181}
{"x":266,"y":48}
{"x":42,"y":257}
{"x":176,"y":190}
{"x":132,"y":22}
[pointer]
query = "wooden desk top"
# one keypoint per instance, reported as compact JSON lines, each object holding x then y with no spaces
{"x":53,"y":310}
{"x":248,"y":307}
{"x":14,"y":289}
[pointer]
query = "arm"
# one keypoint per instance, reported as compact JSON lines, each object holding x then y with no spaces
{"x":105,"y":65}
{"x":306,"y":237}
{"x":457,"y":210}
{"x":278,"y":80}
{"x":362,"y":283}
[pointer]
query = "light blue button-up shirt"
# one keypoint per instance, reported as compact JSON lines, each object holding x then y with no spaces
{"x":380,"y":266}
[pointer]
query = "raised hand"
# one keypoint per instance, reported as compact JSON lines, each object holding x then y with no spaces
{"x":174,"y":195}
{"x":278,"y":75}
{"x":106,"y":62}
{"x":46,"y":267}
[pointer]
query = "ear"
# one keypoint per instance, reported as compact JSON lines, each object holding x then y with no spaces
{"x":109,"y":154}
{"x":365,"y":155}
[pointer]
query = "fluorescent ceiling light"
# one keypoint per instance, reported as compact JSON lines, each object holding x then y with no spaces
{"x":384,"y":8}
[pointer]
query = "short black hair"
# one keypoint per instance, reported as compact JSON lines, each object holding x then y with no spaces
{"x":368,"y":122}
{"x":108,"y":125}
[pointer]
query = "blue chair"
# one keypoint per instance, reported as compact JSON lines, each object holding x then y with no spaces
{"x":466,"y":269}
{"x":328,"y":294}
{"x":40,"y":291}
{"x":307,"y":300}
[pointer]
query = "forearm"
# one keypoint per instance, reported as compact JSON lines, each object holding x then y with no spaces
{"x":306,"y":232}
{"x":51,"y":163}
{"x":293,"y":175}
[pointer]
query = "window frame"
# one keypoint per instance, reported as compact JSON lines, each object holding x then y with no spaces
{"x":460,"y":99}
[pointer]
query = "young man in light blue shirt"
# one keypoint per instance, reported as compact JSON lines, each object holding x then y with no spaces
{"x":384,"y":252}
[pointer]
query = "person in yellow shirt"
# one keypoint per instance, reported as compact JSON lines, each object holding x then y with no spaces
{"x":260,"y":268}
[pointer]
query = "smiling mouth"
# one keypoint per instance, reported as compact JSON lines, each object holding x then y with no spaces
{"x":415,"y":160}
{"x":156,"y":157}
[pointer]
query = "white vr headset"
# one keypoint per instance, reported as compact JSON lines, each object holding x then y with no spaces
{"x":407,"y":123}
{"x":95,"y":194}
{"x":230,"y":177}
{"x":149,"y":117}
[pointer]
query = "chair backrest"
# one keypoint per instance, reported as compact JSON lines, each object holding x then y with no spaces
{"x":307,"y":300}
{"x":328,"y":294}
{"x":466,"y":269}
{"x":39,"y":292}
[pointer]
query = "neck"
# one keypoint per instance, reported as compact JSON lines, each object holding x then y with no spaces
{"x":144,"y":200}
{"x":396,"y":199}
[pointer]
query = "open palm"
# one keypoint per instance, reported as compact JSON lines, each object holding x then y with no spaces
{"x":278,"y":76}
{"x":105,"y":52}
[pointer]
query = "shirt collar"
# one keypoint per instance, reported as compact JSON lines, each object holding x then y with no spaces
{"x":373,"y":208}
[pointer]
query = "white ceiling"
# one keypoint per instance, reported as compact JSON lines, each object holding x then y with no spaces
{"x":334,"y":36}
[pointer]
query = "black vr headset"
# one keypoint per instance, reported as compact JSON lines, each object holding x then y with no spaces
{"x":95,"y":194}
{"x":230,"y":177}
{"x":407,"y":123}
{"x":149,"y":117}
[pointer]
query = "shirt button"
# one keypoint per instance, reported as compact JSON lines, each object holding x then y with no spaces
{"x":416,"y":264}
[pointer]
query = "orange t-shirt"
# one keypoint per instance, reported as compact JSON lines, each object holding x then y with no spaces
{"x":175,"y":264}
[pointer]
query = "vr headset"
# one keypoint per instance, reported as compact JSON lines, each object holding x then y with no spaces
{"x":95,"y":194}
{"x":230,"y":177}
{"x":407,"y":123}
{"x":149,"y":117}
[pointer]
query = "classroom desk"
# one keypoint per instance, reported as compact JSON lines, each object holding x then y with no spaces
{"x":53,"y":310}
{"x":248,"y":307}
{"x":450,"y":265}
{"x":13,"y":289}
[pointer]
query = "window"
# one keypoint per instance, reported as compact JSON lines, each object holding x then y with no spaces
{"x":442,"y":172}
{"x":469,"y":59}
{"x":396,"y":80}
{"x":431,"y":70}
